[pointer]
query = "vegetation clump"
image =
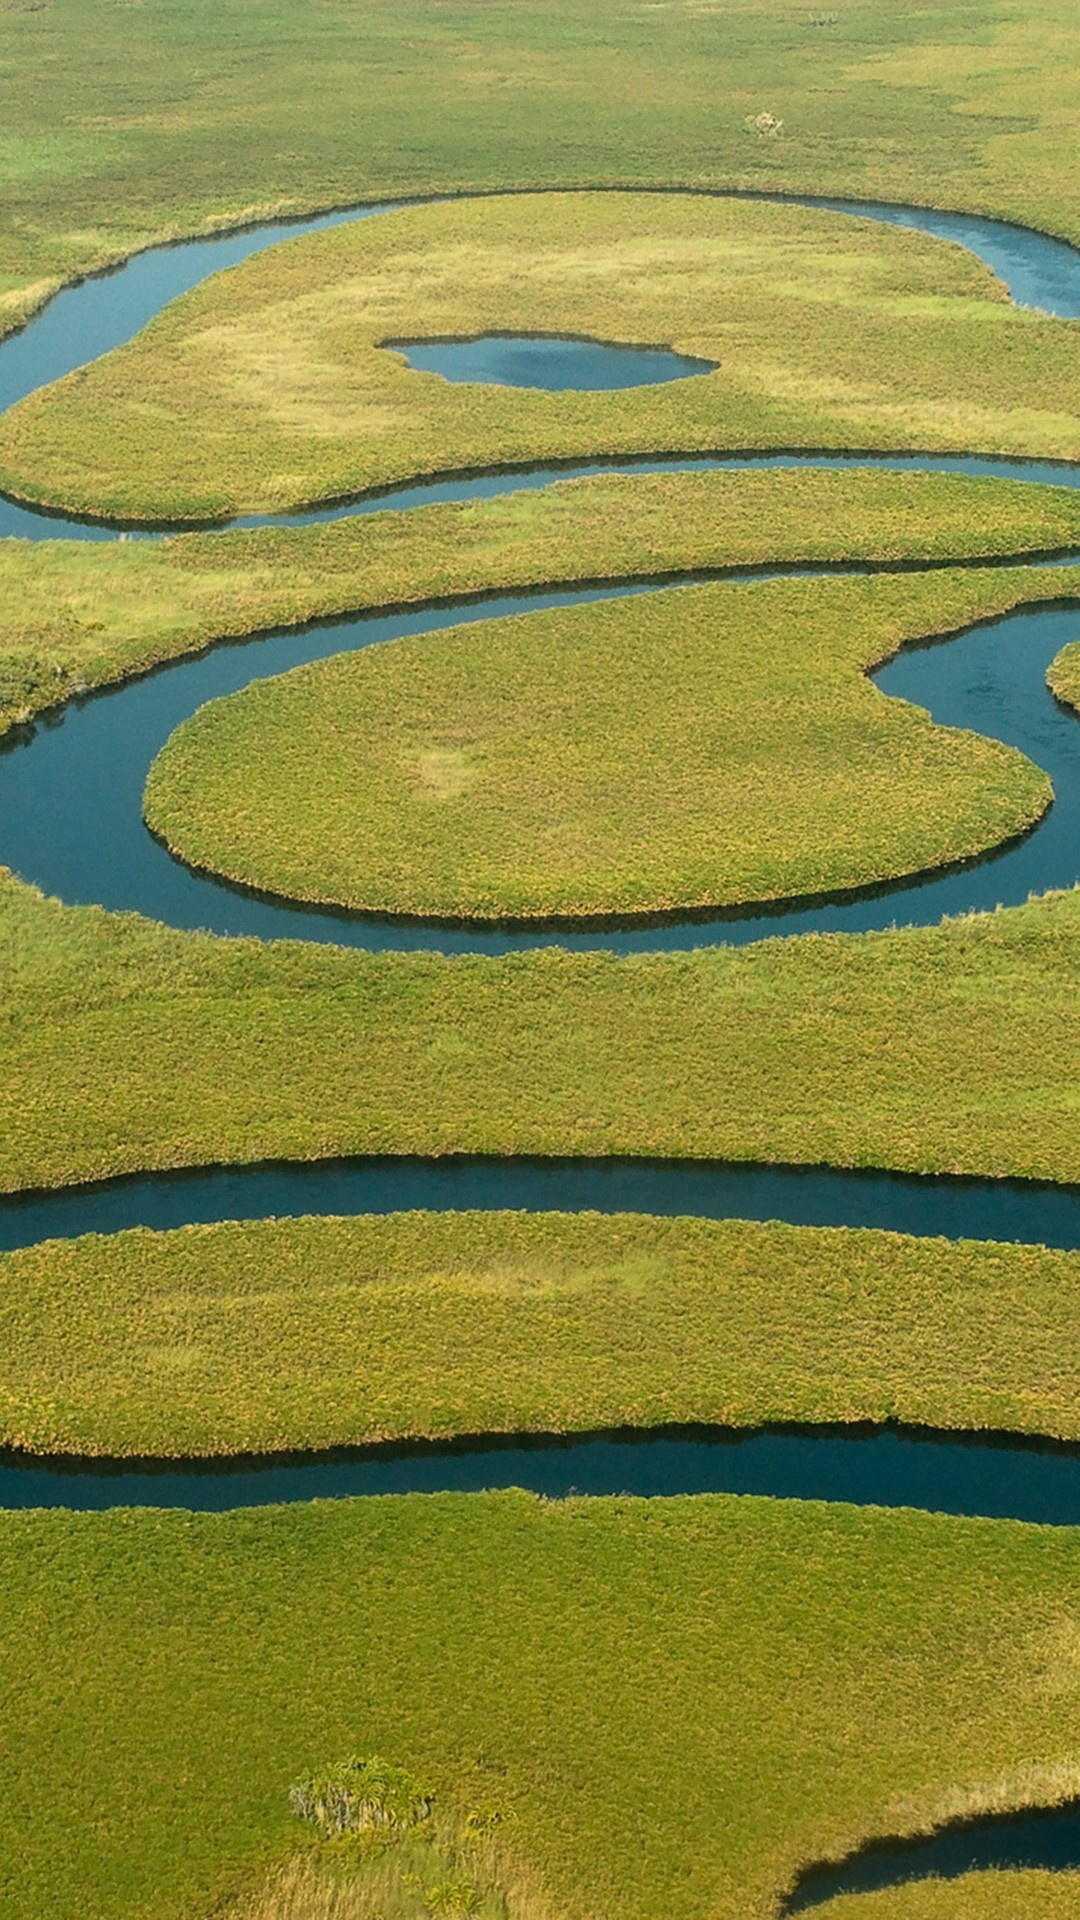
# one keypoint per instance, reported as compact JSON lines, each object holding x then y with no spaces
{"x":361,"y":1796}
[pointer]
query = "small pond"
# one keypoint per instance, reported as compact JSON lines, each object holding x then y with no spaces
{"x":544,"y":360}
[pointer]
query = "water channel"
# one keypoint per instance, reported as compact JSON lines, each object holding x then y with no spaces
{"x":70,"y":794}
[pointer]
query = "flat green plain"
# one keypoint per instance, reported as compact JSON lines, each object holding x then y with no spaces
{"x":119,"y":127}
{"x":277,"y":1335}
{"x":267,"y":387}
{"x":697,"y":748}
{"x":79,"y":614}
{"x":680,"y":1700}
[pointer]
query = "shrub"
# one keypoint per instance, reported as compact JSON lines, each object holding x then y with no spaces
{"x":765,"y":125}
{"x":357,"y":1796}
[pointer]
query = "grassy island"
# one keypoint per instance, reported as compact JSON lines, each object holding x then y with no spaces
{"x":268,"y":388}
{"x":678,"y":1702}
{"x":309,"y":1333}
{"x":699,"y":747}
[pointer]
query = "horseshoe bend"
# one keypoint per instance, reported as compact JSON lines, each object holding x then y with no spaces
{"x":539,"y":792}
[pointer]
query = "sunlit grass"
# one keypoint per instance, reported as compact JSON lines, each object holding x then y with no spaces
{"x":678,"y":1701}
{"x":312,"y":1333}
{"x":974,"y":1896}
{"x":125,"y":1045}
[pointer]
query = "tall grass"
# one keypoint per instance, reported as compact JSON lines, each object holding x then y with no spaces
{"x":451,"y":1869}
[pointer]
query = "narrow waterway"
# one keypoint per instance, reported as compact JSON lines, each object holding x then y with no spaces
{"x":995,"y":1476}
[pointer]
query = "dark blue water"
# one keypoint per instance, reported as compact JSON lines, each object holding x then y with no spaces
{"x":950,"y":1206}
{"x":1003,"y":1478}
{"x":548,"y":361}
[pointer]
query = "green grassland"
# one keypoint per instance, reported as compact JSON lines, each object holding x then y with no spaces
{"x":677,"y":1703}
{"x":679,"y":1700}
{"x":126,"y":123}
{"x":127,"y":1045}
{"x":78,"y":614}
{"x":286,"y":1334}
{"x":976,"y":1896}
{"x":267,"y":387}
{"x":700,"y":747}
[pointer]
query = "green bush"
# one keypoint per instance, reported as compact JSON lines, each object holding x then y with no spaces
{"x":358,"y":1796}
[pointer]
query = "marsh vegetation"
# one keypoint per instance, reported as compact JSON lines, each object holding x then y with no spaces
{"x":265,"y":1335}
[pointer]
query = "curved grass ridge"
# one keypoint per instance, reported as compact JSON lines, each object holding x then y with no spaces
{"x":266,"y":388}
{"x":198,"y":1051}
{"x":80,"y":615}
{"x":701,"y":747}
{"x":312,"y":1333}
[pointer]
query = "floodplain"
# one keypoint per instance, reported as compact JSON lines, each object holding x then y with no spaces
{"x":664,"y":1707}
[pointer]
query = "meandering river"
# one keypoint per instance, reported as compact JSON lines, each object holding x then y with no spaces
{"x":70,"y":822}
